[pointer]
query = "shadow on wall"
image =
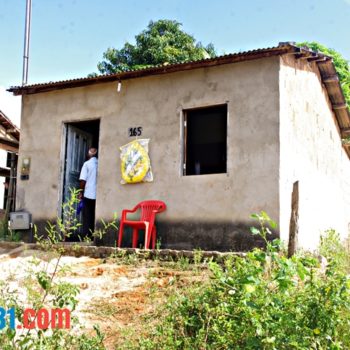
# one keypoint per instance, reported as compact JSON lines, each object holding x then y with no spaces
{"x":223,"y":236}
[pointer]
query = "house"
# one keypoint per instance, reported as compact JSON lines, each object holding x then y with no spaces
{"x":229,"y":136}
{"x":9,"y":143}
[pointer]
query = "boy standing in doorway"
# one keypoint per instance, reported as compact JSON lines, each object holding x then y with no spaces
{"x":88,"y":181}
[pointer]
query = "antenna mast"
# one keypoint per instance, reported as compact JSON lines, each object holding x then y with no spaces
{"x":26,"y":42}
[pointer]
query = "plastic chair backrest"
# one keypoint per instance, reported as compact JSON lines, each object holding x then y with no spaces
{"x":148,"y":207}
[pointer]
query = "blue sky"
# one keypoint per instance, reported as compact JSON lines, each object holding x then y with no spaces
{"x":68,"y":37}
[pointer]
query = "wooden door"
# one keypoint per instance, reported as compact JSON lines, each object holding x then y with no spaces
{"x":78,"y":144}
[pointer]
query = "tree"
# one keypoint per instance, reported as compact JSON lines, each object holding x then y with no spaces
{"x":162,"y":42}
{"x":341,"y":65}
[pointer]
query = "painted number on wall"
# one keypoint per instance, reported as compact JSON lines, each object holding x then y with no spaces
{"x":135,"y":131}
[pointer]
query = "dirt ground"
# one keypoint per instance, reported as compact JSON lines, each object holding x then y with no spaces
{"x":118,"y":294}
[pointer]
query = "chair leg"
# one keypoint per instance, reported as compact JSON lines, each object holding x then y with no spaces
{"x":120,"y":236}
{"x":149,"y":229}
{"x":148,"y":233}
{"x":154,"y":237}
{"x":135,"y":237}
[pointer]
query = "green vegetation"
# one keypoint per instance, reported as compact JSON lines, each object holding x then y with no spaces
{"x":6,"y":234}
{"x":162,"y":42}
{"x":341,"y":65}
{"x":263,"y":301}
{"x":44,"y":290}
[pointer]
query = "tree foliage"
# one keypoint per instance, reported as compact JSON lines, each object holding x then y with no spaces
{"x":341,"y":65}
{"x":162,"y":42}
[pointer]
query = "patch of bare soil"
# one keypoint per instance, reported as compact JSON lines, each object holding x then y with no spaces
{"x":122,"y":299}
{"x":131,"y":313}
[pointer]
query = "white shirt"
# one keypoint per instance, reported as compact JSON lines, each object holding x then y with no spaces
{"x":89,"y":174}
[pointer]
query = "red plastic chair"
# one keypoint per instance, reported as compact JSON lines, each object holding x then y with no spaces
{"x":149,"y":209}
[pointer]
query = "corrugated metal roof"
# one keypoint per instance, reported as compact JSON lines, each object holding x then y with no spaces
{"x":155,"y":70}
{"x":324,"y":63}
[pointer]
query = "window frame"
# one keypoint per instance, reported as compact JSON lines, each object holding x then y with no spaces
{"x":184,"y":130}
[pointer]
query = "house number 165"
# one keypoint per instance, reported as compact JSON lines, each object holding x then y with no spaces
{"x":135,"y":131}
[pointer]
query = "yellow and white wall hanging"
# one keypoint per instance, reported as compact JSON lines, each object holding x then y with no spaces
{"x":135,"y":162}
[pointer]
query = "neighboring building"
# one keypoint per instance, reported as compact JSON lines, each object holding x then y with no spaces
{"x":9,"y":143}
{"x":229,"y":137}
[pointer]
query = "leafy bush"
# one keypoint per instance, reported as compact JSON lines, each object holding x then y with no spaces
{"x":335,"y":251}
{"x":262,"y":301}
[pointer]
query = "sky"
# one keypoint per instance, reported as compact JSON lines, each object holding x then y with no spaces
{"x":68,"y":37}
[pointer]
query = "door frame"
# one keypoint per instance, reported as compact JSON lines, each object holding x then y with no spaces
{"x":63,"y":151}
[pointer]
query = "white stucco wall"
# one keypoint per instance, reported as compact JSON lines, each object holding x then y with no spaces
{"x":311,"y":153}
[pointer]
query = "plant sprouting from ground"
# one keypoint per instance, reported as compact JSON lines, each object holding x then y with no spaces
{"x":335,"y":251}
{"x":263,"y":230}
{"x":98,"y":233}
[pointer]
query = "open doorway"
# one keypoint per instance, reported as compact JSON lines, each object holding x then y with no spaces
{"x":80,"y":136}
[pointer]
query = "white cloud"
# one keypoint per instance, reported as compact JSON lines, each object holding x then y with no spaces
{"x":10,"y":105}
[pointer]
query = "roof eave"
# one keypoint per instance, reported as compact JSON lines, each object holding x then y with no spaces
{"x":158,"y":70}
{"x":324,"y":64}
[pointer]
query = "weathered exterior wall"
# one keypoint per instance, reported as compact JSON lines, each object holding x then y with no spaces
{"x":207,"y":211}
{"x":311,"y":153}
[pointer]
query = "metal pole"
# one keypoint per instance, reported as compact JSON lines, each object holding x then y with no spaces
{"x":26,"y":42}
